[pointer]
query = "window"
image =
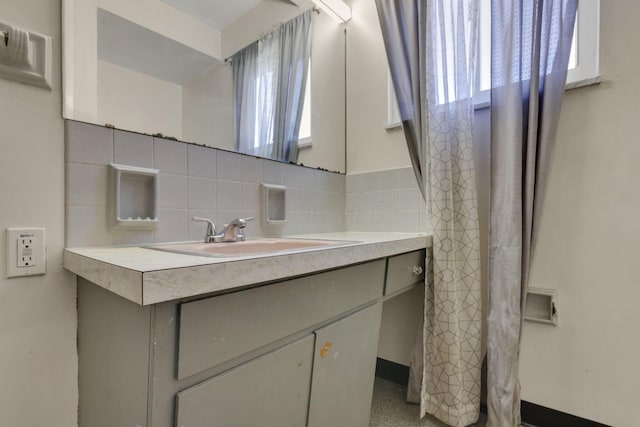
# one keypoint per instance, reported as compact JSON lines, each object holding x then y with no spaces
{"x":266,"y":90}
{"x":583,"y":62}
{"x":304,"y":136}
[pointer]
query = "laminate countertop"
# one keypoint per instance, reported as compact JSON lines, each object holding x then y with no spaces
{"x":147,"y":276}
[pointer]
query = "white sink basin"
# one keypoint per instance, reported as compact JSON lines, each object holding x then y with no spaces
{"x":250,"y":247}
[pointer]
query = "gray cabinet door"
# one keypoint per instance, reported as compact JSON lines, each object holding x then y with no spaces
{"x":344,"y":365}
{"x":270,"y":391}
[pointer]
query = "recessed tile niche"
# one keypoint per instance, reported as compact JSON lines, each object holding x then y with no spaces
{"x":134,"y":197}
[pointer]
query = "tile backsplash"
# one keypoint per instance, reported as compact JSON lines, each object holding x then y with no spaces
{"x":386,"y":200}
{"x":193,"y":181}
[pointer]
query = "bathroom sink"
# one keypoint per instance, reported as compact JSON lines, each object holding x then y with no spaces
{"x":250,"y":247}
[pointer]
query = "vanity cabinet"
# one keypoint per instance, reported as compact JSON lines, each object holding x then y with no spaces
{"x":292,"y":353}
{"x":325,"y":378}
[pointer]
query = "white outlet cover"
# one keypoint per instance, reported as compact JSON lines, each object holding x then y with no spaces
{"x":39,"y":264}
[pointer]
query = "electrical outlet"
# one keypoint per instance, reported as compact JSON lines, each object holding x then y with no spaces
{"x":25,"y":252}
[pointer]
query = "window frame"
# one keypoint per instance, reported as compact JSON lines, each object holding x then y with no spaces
{"x":585,"y":73}
{"x":306,"y":141}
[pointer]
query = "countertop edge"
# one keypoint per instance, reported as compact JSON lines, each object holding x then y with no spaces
{"x":207,"y":276}
{"x":117,"y":279}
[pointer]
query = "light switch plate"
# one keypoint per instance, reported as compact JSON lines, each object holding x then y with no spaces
{"x":25,"y":252}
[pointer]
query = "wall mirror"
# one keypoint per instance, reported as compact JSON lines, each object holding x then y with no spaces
{"x":158,"y":67}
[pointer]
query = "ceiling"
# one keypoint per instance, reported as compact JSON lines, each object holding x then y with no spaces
{"x":218,"y":14}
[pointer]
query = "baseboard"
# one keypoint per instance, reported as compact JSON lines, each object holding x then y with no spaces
{"x":391,"y":371}
{"x":532,"y":415}
{"x":540,"y":416}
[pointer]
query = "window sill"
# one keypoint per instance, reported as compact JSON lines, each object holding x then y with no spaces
{"x":483,"y":99}
{"x":393,"y":125}
{"x":593,"y":81}
{"x":305,"y":143}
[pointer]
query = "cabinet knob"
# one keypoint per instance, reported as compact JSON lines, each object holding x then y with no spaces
{"x":417,"y":270}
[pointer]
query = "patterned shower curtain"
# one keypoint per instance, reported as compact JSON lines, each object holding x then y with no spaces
{"x":431,"y":46}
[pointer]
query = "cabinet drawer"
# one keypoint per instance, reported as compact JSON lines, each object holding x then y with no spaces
{"x":405,"y":270}
{"x":270,"y":391}
{"x":218,"y":329}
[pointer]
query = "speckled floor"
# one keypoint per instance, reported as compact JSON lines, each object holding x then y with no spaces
{"x":389,"y":408}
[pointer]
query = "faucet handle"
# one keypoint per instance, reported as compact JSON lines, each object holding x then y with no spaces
{"x":211,"y":228}
{"x":243,"y":221}
{"x":197,"y":218}
{"x":239,"y":222}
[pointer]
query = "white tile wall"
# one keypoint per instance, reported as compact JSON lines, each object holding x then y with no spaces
{"x":229,"y":166}
{"x":384,"y":201}
{"x":410,"y":198}
{"x":132,"y":149}
{"x":87,"y":226}
{"x":172,"y":191}
{"x":201,"y":193}
{"x":170,"y":156}
{"x":91,"y":144}
{"x":175,"y":225}
{"x":86,"y":185}
{"x":193,"y":181}
{"x":272,"y":173}
{"x":252,"y":169}
{"x":132,"y":237}
{"x":229,"y":194}
{"x":251,"y":197}
{"x":201,"y":161}
{"x":201,"y":181}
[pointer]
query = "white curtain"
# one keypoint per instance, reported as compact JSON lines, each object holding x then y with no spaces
{"x":431,"y":47}
{"x":531,"y":44}
{"x":269,"y":78}
{"x":295,"y":50}
{"x":245,"y":93}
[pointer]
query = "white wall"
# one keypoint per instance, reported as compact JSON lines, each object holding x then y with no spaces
{"x":369,"y":146}
{"x":158,"y":102}
{"x":81,"y":60}
{"x":327,"y":96}
{"x":38,"y":362}
{"x":162,"y":18}
{"x":207,"y":108}
{"x":81,"y":32}
{"x":588,"y":242}
{"x":400,"y":326}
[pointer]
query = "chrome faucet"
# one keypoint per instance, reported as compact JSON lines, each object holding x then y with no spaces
{"x":232,"y":232}
{"x":210,"y":236}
